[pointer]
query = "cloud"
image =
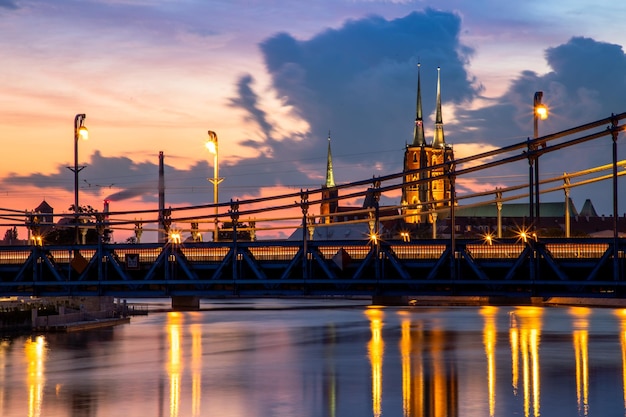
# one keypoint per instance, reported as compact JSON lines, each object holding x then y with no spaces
{"x":8,"y":4}
{"x":359,"y":80}
{"x":117,"y":178}
{"x":248,"y":100}
{"x":585,"y":83}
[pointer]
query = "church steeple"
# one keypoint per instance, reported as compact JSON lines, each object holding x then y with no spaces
{"x":330,"y":177}
{"x":438,"y":140}
{"x":418,"y":132}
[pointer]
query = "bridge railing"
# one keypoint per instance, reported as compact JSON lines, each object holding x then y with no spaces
{"x":291,"y":211}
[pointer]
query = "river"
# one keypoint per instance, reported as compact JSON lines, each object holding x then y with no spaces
{"x":325,"y":358}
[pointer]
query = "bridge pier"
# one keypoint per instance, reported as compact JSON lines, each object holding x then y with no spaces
{"x":390,"y":300}
{"x":185,"y":303}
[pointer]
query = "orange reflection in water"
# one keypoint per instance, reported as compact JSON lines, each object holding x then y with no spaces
{"x":429,"y":379}
{"x":35,"y":354}
{"x":174,"y":366}
{"x":621,"y":315}
{"x":489,"y":340}
{"x":375,"y":349}
{"x":330,"y":390}
{"x":414,"y":386}
{"x":444,"y":379}
{"x":581,"y":352}
{"x":4,"y":345}
{"x":525,"y":333}
{"x":405,"y":352}
{"x":196,"y":369}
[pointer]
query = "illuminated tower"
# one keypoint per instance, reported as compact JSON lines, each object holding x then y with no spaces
{"x":423,"y":161}
{"x":330,"y":193}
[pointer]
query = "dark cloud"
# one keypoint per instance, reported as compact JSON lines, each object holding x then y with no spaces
{"x":119,"y":178}
{"x":247,"y":99}
{"x":359,"y":80}
{"x":586,"y":83}
{"x":8,"y":4}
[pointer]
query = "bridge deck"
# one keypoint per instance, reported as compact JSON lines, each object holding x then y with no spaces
{"x":565,"y":267}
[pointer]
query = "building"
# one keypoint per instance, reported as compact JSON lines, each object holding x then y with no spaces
{"x":427,"y":195}
{"x":425,"y":185}
{"x":330,"y":193}
{"x":426,"y":163}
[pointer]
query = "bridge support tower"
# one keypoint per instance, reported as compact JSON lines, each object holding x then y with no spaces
{"x":390,"y":300}
{"x":185,"y":303}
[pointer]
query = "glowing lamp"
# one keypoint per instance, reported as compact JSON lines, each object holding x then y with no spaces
{"x":211,"y":146}
{"x":542,"y":111}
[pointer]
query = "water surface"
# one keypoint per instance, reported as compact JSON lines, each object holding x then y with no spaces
{"x":325,"y":358}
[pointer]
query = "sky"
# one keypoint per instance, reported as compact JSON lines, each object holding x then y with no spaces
{"x":273,"y":78}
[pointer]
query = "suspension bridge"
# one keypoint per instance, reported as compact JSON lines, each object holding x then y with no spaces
{"x":384,"y":263}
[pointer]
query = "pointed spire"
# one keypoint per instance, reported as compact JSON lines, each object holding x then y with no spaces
{"x":330,"y":178}
{"x":438,"y":140}
{"x":418,"y":132}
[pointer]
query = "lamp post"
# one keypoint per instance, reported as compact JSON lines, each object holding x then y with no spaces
{"x":540,"y":111}
{"x":80,"y":132}
{"x":211,"y":145}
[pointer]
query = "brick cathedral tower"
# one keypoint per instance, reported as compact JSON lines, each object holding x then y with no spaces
{"x":419,"y":157}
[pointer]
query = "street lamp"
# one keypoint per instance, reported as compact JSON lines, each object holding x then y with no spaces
{"x":540,"y":111}
{"x":80,"y":132}
{"x":211,"y":145}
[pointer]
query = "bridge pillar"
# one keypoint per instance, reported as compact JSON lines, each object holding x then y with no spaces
{"x":186,"y":303}
{"x":390,"y":300}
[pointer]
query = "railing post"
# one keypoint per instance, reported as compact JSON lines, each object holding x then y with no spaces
{"x":100,"y":230}
{"x":138,"y":231}
{"x":531,"y":176}
{"x":311,"y":227}
{"x":614,"y":134}
{"x":195,"y":232}
{"x":566,"y":185}
{"x":499,"y":207}
{"x":166,"y":222}
{"x":452,"y":179}
{"x":376,"y":198}
{"x":304,"y":205}
{"x":234,"y":218}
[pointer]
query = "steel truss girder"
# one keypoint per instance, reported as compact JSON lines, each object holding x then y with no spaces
{"x":380,"y":269}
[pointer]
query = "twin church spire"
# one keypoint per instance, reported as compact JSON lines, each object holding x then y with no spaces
{"x":425,"y":185}
{"x":418,"y":132}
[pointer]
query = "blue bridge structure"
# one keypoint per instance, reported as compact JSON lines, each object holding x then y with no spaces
{"x":527,"y":265}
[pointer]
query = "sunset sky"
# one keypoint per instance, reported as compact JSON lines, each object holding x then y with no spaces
{"x":272,"y":78}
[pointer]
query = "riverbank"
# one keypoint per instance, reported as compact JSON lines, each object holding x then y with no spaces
{"x":76,"y":326}
{"x":20,"y":315}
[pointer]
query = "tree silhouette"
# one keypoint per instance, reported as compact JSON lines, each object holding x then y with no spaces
{"x":10,"y":236}
{"x":90,"y":218}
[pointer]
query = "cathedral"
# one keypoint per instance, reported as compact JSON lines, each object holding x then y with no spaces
{"x":425,"y":187}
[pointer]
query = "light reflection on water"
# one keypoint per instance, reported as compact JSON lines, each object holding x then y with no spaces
{"x":278,"y":359}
